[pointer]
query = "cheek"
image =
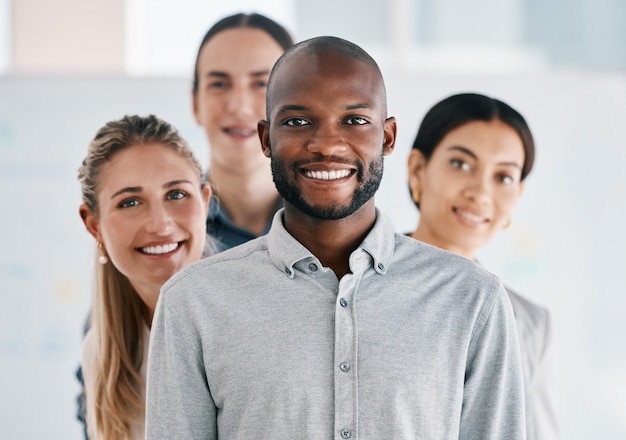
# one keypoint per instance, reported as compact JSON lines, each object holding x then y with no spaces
{"x":508,"y":199}
{"x":259,"y":105}
{"x":211,"y":107}
{"x":441,"y":187}
{"x":506,"y":206}
{"x":193,"y":217}
{"x":116,"y":229}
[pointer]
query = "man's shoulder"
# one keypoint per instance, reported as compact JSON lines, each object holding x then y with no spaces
{"x":409,"y":249}
{"x":216,"y":266}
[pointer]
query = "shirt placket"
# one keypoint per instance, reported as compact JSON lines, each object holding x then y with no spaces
{"x":345,"y":365}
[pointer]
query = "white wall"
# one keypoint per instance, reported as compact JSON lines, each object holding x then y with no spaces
{"x":565,"y":249}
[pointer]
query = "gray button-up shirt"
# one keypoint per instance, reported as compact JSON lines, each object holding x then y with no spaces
{"x":263,"y":342}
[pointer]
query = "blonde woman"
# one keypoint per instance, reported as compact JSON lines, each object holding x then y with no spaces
{"x":145,"y":204}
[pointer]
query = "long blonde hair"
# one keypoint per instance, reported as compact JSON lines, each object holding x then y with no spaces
{"x":114,"y":400}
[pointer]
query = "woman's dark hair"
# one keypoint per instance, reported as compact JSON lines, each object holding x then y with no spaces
{"x":460,"y":109}
{"x":254,"y":21}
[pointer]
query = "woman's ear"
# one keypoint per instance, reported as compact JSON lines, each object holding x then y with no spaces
{"x":206,"y":196}
{"x":195,"y":107}
{"x":416,"y":165}
{"x":90,"y":221}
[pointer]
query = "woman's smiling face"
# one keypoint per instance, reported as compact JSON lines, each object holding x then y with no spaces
{"x":233,"y":69}
{"x":151,"y":214}
{"x":469,"y":187}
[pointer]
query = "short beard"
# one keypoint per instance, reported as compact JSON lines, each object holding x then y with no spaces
{"x":284,"y":179}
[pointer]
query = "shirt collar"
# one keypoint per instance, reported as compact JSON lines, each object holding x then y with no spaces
{"x":285,"y":251}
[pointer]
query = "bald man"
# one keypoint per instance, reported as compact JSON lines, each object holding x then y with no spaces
{"x":332,"y":326}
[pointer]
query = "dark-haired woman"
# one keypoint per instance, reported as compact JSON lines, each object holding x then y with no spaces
{"x":467,"y":168}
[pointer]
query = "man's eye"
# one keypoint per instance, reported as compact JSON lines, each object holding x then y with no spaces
{"x":296,"y":122}
{"x":356,"y":120}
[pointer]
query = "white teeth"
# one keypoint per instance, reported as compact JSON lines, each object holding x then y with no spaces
{"x":471,"y":217}
{"x":157,"y":250}
{"x":327,"y":175}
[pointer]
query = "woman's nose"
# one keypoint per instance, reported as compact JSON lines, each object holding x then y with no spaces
{"x":159,"y":220}
{"x":478,"y":189}
{"x":240,"y":101}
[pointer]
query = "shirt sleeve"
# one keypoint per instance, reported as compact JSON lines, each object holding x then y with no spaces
{"x":178,"y":399}
{"x":493,"y":400}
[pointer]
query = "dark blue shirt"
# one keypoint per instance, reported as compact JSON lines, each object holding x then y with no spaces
{"x":227,"y":234}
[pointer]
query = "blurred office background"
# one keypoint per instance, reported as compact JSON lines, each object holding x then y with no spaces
{"x":68,"y":66}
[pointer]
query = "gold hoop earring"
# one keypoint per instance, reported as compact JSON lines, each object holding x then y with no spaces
{"x":102,"y":259}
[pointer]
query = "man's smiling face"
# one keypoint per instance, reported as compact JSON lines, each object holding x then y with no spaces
{"x":327,"y":133}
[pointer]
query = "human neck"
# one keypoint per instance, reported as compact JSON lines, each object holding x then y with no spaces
{"x":248,"y":199}
{"x":331,"y":241}
{"x":149,"y":296}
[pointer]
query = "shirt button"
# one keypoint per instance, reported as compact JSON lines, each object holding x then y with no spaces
{"x":346,"y":433}
{"x":381,"y":266}
{"x":343,"y":302}
{"x":313,"y":267}
{"x":345,"y":367}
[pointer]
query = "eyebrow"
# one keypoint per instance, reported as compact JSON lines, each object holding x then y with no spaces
{"x":302,"y":108}
{"x":138,"y":189}
{"x":473,"y":156}
{"x":357,"y":106}
{"x":292,"y":107}
{"x":220,"y":74}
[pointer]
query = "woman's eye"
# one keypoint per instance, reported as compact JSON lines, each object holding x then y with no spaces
{"x":506,"y":179}
{"x":356,"y":120}
{"x":296,"y":122}
{"x":458,"y":163}
{"x":176,"y":195}
{"x":128,"y":203}
{"x":218,"y":85}
{"x":261,"y":84}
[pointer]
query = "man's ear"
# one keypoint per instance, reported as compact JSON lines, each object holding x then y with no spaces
{"x":416,"y":165}
{"x":263,"y":127}
{"x":390,"y":129}
{"x":90,"y":221}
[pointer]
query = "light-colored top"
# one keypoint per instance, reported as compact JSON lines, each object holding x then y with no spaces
{"x":262,"y":342}
{"x":537,"y":345}
{"x":88,"y":363}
